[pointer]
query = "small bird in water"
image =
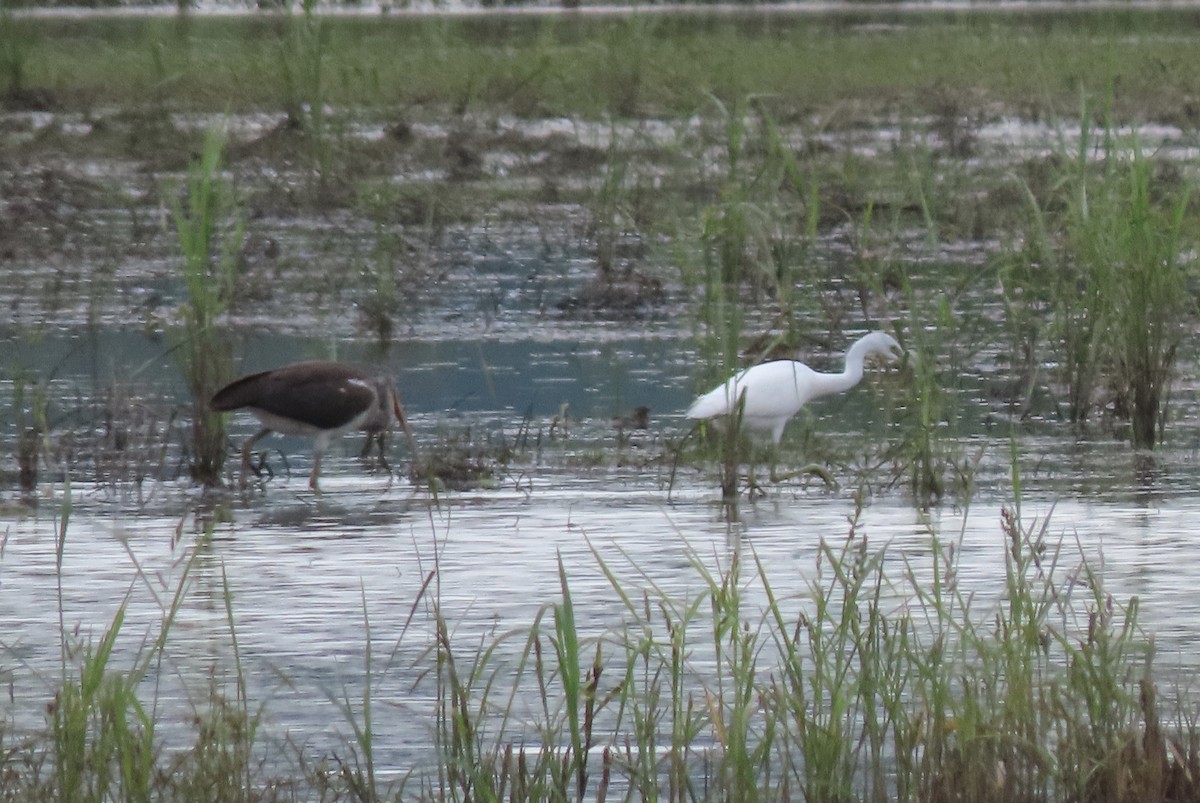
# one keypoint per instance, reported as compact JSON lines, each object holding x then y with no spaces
{"x":637,"y":418}
{"x":316,"y":399}
{"x":771,"y":393}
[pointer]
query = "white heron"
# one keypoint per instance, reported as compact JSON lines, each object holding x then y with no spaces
{"x":771,"y":393}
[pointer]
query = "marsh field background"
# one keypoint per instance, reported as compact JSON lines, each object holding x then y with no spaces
{"x":554,"y":230}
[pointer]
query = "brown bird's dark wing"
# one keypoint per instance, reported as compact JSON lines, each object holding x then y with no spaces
{"x":239,"y":393}
{"x":321,"y":394}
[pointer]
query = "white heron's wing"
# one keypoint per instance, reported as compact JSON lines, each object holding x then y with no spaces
{"x":718,"y":401}
{"x":773,"y":390}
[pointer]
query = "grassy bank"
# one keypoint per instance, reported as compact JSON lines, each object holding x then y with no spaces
{"x":1033,"y":64}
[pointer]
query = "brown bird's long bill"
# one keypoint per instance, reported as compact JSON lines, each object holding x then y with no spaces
{"x":402,"y":420}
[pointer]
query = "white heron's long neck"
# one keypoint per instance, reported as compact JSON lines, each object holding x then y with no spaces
{"x":850,"y":376}
{"x":827,"y":384}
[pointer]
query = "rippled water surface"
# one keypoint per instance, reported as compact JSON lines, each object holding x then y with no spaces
{"x":305,"y":582}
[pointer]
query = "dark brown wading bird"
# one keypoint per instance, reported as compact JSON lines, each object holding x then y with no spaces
{"x":320,"y":400}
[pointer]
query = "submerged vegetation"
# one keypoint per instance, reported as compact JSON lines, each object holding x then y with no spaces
{"x":760,"y":185}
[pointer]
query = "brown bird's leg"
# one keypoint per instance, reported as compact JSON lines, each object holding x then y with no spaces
{"x":247,"y":465}
{"x":372,"y":439}
{"x":312,"y":478}
{"x":383,"y":461}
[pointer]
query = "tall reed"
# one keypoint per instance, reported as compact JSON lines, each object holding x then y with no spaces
{"x":608,"y":202}
{"x":209,"y":231}
{"x":757,"y":231}
{"x":930,"y":453}
{"x":103,"y":739}
{"x":302,"y":57}
{"x":1132,"y":237}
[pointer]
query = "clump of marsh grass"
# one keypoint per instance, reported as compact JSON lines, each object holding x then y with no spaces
{"x":399,"y":268}
{"x":621,"y":287}
{"x":930,"y":453}
{"x":117,"y":437}
{"x":132,"y":439}
{"x":475,"y":456}
{"x":756,"y":232}
{"x":102,"y":738}
{"x":609,"y":215}
{"x":462,"y":460}
{"x":888,"y":678}
{"x":209,"y":231}
{"x":380,"y":301}
{"x":123,"y":438}
{"x":1106,"y":257}
{"x":1133,"y":238}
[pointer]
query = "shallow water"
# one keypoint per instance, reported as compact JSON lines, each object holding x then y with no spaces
{"x":308,"y":576}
